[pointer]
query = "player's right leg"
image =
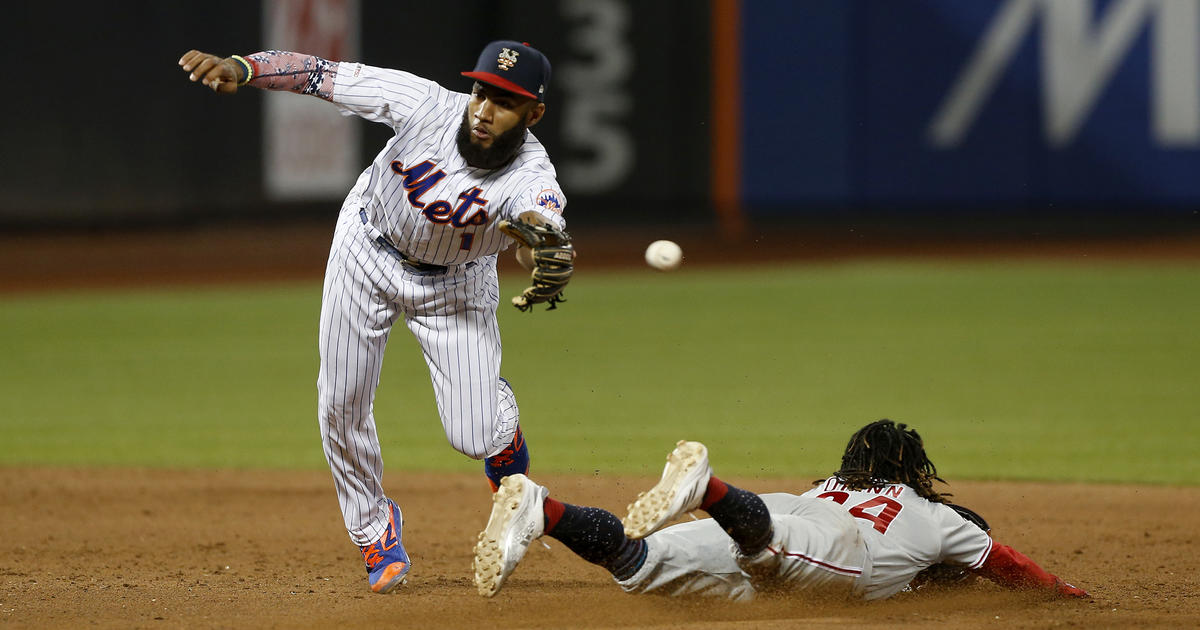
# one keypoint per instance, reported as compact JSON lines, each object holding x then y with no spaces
{"x":688,"y":484}
{"x":813,"y":545}
{"x":354,"y":328}
{"x":679,"y":491}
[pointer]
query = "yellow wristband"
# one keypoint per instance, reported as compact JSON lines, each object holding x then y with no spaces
{"x":245,"y":66}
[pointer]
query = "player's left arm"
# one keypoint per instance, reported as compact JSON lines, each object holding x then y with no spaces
{"x":543,"y":248}
{"x":1011,"y":568}
{"x":966,"y":540}
{"x":524,"y":254}
{"x":541,"y":204}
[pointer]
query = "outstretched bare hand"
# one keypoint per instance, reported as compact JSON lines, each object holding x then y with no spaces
{"x":219,"y":74}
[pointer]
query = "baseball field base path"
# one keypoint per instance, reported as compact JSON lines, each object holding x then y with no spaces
{"x":171,"y":549}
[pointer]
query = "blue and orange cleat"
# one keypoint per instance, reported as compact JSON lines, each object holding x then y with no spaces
{"x":387,"y":562}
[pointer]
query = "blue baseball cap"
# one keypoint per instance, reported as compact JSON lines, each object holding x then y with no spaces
{"x":513,"y":66}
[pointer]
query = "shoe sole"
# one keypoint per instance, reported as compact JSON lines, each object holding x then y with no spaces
{"x":489,"y":550}
{"x":662,"y":503}
{"x":392,"y":578}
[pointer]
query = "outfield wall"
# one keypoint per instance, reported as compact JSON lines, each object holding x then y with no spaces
{"x":668,"y":111}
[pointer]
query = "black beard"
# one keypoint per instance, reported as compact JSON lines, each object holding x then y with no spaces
{"x":504,"y":146}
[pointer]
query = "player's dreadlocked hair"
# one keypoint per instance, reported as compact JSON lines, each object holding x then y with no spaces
{"x":886,"y":452}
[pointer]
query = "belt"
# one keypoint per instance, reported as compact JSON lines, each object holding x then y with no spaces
{"x":408,"y":261}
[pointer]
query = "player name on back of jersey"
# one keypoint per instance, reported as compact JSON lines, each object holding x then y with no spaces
{"x":892,"y":489}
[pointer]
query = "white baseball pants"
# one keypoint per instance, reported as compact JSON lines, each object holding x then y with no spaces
{"x":452,"y":314}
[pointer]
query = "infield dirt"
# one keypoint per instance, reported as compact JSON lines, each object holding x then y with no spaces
{"x":243,"y":549}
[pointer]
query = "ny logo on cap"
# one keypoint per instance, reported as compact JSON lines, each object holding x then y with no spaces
{"x":507,"y":59}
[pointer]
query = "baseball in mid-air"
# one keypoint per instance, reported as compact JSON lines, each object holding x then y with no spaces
{"x":664,"y":255}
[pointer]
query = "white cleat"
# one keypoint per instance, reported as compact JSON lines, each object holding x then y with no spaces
{"x":681,"y":489}
{"x":515,"y":522}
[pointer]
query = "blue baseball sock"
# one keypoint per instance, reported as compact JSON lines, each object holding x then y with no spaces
{"x":741,"y":513}
{"x":514,"y":459}
{"x":595,"y":535}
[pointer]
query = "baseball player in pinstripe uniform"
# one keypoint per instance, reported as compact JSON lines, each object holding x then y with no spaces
{"x":869,"y":531}
{"x":417,"y":237}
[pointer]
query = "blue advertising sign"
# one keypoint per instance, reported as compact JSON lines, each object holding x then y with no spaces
{"x":937,"y":102}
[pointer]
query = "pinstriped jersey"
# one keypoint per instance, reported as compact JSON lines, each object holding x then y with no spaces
{"x":420,"y":192}
{"x":905,"y":533}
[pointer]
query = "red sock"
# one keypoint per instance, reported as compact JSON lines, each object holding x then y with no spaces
{"x":715,"y":492}
{"x":553,"y":511}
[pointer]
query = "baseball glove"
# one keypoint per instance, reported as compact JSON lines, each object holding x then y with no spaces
{"x":553,"y":261}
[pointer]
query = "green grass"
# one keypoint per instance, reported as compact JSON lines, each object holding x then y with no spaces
{"x":1010,"y":371}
